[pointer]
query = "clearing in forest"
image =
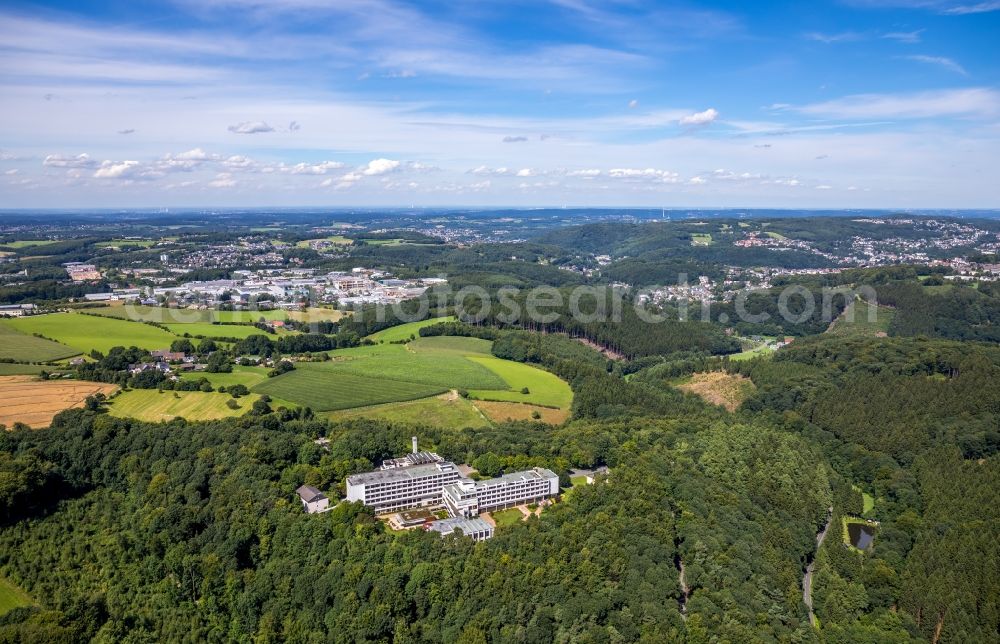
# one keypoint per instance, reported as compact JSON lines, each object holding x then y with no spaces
{"x":500,"y":412}
{"x":12,"y":597}
{"x":720,"y":388}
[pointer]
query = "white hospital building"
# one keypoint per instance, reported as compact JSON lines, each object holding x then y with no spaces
{"x":467,"y":498}
{"x":411,"y":481}
{"x":424,"y":479}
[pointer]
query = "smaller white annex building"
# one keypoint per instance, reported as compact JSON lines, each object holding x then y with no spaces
{"x":313,"y":501}
{"x":476,"y":529}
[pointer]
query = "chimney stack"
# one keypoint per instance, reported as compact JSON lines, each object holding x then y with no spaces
{"x":414,"y":444}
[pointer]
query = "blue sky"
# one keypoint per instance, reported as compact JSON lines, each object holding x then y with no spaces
{"x":856,"y":103}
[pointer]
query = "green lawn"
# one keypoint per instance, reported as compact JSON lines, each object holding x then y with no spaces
{"x":217,"y":330}
{"x":457,"y":344}
{"x":12,"y":597}
{"x":165,"y":315}
{"x":701,"y":239}
{"x":153,"y":406}
{"x":160,"y":314}
{"x":17,"y":344}
{"x":506,"y":518}
{"x":777,"y":236}
{"x":405,"y":331}
{"x":860,"y":325}
{"x":246,"y":376}
{"x":86,"y":332}
{"x":439,"y":411}
{"x":330,"y":390}
{"x":444,"y":369}
{"x":760,"y":350}
{"x":544,"y":388}
{"x":29,"y":243}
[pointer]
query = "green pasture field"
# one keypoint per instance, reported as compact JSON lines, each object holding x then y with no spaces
{"x":329,"y":390}
{"x":12,"y":597}
{"x":246,"y":376}
{"x":545,"y":389}
{"x":405,"y":331}
{"x":118,"y":243}
{"x":86,"y":332}
{"x":457,"y":344}
{"x":777,"y":236}
{"x":240,"y":331}
{"x":701,"y":239}
{"x":153,"y":406}
{"x":16,"y":343}
{"x":165,"y":315}
{"x":446,"y":369}
{"x":159,"y":314}
{"x":11,"y":369}
{"x":439,"y":411}
{"x":29,"y":243}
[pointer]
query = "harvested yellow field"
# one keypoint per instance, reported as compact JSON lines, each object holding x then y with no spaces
{"x":34,"y":402}
{"x":719,"y":388}
{"x":503,"y":411}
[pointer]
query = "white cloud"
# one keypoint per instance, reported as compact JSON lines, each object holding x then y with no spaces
{"x":514,"y":139}
{"x":525,"y":172}
{"x":847,"y":36}
{"x":127,"y":131}
{"x":380,"y":166}
{"x":948,"y":7}
{"x":700,"y":118}
{"x":908,"y":37}
{"x":940,"y":61}
{"x":294,"y":126}
{"x":488,"y":171}
{"x":697,"y":181}
{"x":238,"y":162}
{"x":250,"y":127}
{"x":60,"y":161}
{"x":117,"y":169}
{"x":976,"y":101}
{"x":646,"y":174}
{"x":824,"y":187}
{"x":315,"y":168}
{"x":587,"y":173}
{"x":633,"y":104}
{"x":222,"y":180}
{"x":195,"y":154}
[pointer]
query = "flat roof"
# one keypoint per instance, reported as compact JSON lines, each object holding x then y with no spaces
{"x":532,"y":474}
{"x":400,"y":473}
{"x":467,"y":526}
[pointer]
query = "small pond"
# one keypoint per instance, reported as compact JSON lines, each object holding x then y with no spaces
{"x":861,"y":535}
